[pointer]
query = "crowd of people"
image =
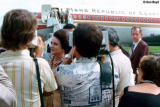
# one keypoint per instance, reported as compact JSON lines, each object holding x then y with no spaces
{"x":70,"y":75}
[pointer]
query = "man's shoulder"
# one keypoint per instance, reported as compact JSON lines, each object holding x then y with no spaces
{"x":43,"y":63}
{"x":120,"y":56}
{"x":143,"y":43}
{"x":68,"y":67}
{"x":72,"y":68}
{"x":41,"y":60}
{"x":64,"y":68}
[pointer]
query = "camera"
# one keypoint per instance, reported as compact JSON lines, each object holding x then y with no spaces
{"x":34,"y":42}
{"x":105,"y":41}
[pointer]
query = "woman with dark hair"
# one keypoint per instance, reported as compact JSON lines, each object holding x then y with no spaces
{"x":147,"y":92}
{"x":59,"y":47}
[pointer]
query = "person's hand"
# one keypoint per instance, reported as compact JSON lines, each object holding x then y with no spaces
{"x":72,"y":54}
{"x":39,"y":48}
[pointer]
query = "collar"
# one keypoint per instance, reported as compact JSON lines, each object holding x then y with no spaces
{"x":85,"y":60}
{"x":24,"y":52}
{"x":135,"y":43}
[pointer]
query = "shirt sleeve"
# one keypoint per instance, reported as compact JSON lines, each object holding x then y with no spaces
{"x":8,"y":94}
{"x":47,"y":76}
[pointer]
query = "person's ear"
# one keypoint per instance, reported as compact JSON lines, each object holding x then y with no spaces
{"x":109,"y":45}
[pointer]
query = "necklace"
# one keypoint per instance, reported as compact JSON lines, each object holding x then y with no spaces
{"x":55,"y":63}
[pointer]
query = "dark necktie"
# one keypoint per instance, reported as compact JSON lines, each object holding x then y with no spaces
{"x":132,"y":48}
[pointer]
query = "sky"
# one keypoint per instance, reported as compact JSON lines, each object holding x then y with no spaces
{"x":35,"y":5}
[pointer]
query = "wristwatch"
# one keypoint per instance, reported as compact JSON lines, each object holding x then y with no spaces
{"x":67,"y":56}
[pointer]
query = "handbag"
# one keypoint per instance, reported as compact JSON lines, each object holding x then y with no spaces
{"x":39,"y":81}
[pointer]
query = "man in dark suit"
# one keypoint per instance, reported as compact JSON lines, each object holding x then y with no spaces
{"x":138,"y":49}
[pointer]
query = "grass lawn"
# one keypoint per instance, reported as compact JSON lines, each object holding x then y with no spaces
{"x":152,"y":49}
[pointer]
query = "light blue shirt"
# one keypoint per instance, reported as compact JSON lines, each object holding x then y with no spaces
{"x":79,"y":84}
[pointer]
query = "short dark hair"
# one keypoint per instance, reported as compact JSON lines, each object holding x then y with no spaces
{"x":150,"y":66}
{"x":113,"y":37}
{"x":18,"y":29}
{"x":63,"y":36}
{"x":69,"y":26}
{"x":136,"y":27}
{"x":87,"y":38}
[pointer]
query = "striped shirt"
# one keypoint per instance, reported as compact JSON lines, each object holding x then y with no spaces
{"x":21,"y":69}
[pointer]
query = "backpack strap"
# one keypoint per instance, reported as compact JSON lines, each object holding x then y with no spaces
{"x":105,"y":74}
{"x":39,"y":82}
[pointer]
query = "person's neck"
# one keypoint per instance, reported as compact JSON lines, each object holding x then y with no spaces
{"x":59,"y":56}
{"x":112,"y":49}
{"x":77,"y":55}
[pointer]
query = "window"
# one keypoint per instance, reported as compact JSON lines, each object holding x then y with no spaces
{"x":89,"y":17}
{"x":135,"y":19}
{"x":80,"y":17}
{"x":84,"y":17}
{"x":94,"y":17}
{"x":144,"y":19}
{"x":106,"y":18}
{"x":123,"y":19}
{"x":111,"y":18}
{"x":75,"y":16}
{"x":101,"y":17}
{"x":97,"y":17}
{"x":131,"y":19}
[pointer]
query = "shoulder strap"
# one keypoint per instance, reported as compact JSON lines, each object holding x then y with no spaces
{"x":39,"y":82}
{"x":100,"y":73}
{"x":105,"y":74}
